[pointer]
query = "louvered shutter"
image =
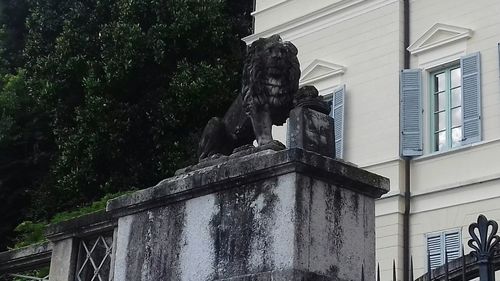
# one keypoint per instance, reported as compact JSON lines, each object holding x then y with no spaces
{"x":411,"y":112}
{"x":471,"y":98}
{"x":338,"y":118}
{"x":434,"y":250}
{"x":439,"y":244}
{"x":452,"y":245}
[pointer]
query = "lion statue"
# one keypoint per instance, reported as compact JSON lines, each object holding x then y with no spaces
{"x":271,"y":75}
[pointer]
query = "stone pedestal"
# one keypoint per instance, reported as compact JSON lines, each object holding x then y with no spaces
{"x":311,"y":130}
{"x":287,"y":215}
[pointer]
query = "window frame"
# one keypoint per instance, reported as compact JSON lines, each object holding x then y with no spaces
{"x":448,"y":108}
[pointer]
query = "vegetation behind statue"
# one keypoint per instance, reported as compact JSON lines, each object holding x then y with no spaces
{"x":102,"y":96}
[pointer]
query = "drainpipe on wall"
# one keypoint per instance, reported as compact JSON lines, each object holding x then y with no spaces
{"x":407,"y":194}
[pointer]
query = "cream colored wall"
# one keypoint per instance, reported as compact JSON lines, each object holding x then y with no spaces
{"x":482,"y":18}
{"x":389,"y":244}
{"x":464,"y":166}
{"x":271,"y":13}
{"x":450,"y":189}
{"x":451,"y":217}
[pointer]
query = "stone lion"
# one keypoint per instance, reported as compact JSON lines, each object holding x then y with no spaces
{"x":270,"y":80}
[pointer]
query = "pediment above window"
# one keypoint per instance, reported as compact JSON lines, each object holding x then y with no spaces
{"x":439,"y":35}
{"x":319,"y":70}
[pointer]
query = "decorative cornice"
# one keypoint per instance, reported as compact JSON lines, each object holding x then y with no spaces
{"x":269,"y":7}
{"x":451,"y":34}
{"x":321,"y":18}
{"x":328,"y":70}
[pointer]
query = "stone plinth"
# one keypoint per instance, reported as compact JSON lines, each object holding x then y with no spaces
{"x":287,"y":215}
{"x":311,"y":130}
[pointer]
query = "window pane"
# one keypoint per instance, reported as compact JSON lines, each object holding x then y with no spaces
{"x":456,"y":117}
{"x":439,"y":82}
{"x":456,"y":97}
{"x":440,"y":141}
{"x":456,"y":136}
{"x":440,"y":121}
{"x":440,"y":101}
{"x":455,"y":77}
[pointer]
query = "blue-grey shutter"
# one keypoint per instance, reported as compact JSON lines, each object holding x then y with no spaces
{"x":338,"y":118}
{"x":452,"y":243}
{"x":435,"y":250}
{"x":411,"y":112}
{"x":471,"y":98}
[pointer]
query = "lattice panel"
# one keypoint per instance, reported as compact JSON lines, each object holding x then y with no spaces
{"x":94,"y":258}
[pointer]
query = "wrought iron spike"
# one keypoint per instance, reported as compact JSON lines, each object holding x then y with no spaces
{"x":393,"y":270}
{"x":362,"y":273}
{"x":463,"y":264}
{"x":378,"y":271}
{"x":411,"y":268}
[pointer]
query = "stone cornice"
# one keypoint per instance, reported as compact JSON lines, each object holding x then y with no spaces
{"x":319,"y":19}
{"x":252,"y":168}
{"x":25,"y":258}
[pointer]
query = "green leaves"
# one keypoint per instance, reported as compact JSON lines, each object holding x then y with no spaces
{"x":113,"y":93}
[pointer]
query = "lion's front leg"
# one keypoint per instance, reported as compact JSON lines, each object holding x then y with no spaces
{"x":262,"y":124}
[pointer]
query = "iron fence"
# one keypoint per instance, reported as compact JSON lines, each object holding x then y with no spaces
{"x":482,"y":261}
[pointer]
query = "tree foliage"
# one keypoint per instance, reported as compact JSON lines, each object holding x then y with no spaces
{"x":100,"y":96}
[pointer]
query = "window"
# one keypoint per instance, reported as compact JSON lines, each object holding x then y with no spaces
{"x":455,"y":107}
{"x":446,"y":104}
{"x":441,"y":244}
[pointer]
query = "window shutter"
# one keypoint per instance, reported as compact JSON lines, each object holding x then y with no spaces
{"x":452,"y":242}
{"x":338,"y":118}
{"x":434,"y":250}
{"x":411,"y":112}
{"x":471,"y":98}
{"x":441,"y":243}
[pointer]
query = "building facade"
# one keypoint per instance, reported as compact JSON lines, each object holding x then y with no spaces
{"x":416,"y":93}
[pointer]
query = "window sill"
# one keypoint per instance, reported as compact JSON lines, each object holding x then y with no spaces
{"x":452,"y":151}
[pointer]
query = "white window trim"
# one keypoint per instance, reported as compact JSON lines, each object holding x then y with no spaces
{"x":330,"y":71}
{"x":454,"y":34}
{"x":430,"y":57}
{"x":449,"y":49}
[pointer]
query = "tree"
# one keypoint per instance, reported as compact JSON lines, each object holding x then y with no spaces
{"x":124,"y":88}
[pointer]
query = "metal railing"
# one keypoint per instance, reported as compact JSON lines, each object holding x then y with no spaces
{"x":482,"y":261}
{"x":28,"y":263}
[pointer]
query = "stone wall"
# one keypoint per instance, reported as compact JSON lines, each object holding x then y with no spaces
{"x":287,"y":215}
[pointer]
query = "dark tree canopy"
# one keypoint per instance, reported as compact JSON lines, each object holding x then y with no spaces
{"x":99,"y":96}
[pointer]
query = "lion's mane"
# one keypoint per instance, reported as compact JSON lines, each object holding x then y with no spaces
{"x":270,"y":77}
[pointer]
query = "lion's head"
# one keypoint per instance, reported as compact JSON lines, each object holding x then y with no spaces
{"x":271,"y":76}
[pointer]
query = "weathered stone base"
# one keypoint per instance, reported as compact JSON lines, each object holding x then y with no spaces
{"x":286,"y":215}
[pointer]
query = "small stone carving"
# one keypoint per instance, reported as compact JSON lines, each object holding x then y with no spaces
{"x":308,"y":97}
{"x":270,"y":81}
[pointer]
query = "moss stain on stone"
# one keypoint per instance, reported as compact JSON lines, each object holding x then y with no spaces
{"x":156,"y":237}
{"x":355,"y":205}
{"x":235,"y":228}
{"x":334,"y":206}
